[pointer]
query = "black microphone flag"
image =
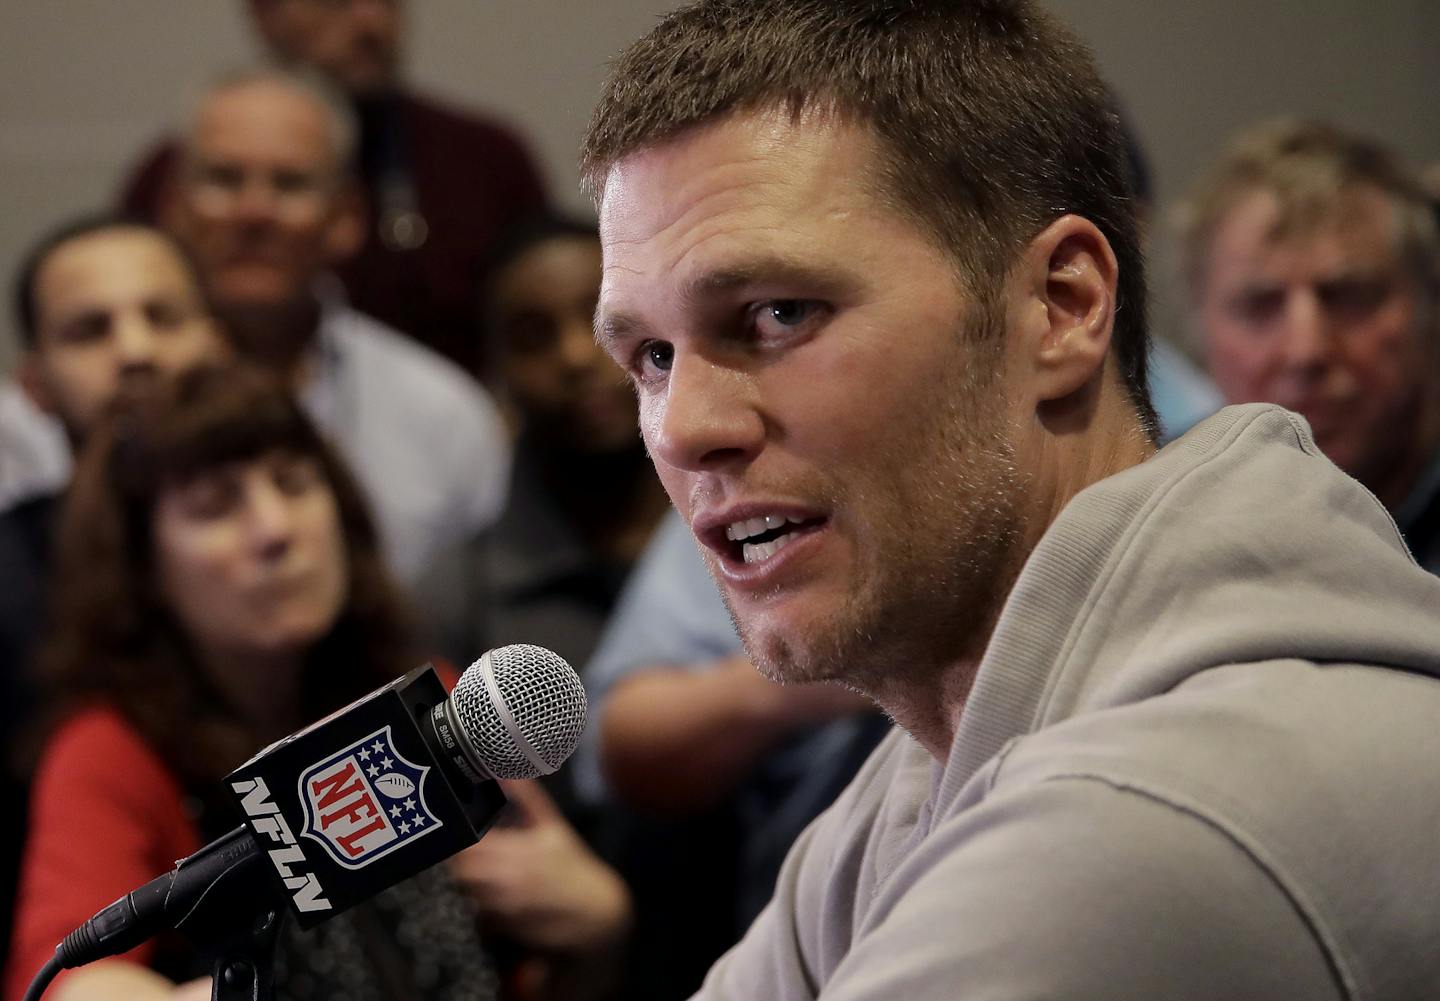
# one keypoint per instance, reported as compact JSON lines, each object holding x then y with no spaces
{"x":361,"y":800}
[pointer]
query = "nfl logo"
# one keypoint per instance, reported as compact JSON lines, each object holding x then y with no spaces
{"x":364,"y":802}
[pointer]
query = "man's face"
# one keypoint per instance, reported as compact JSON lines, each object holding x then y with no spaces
{"x":354,"y":42}
{"x":260,"y":202}
{"x":116,"y":310}
{"x":563,"y":385}
{"x":1325,"y":322}
{"x":807,"y":382}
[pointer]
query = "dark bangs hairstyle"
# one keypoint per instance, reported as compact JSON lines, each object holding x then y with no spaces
{"x":991,"y":121}
{"x":114,"y":641}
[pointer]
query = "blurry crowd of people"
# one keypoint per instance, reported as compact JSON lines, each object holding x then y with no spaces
{"x":319,"y":400}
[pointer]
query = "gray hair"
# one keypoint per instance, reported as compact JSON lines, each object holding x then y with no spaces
{"x":1310,"y":167}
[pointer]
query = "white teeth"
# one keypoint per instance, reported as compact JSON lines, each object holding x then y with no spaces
{"x":752,"y":552}
{"x":752,"y":526}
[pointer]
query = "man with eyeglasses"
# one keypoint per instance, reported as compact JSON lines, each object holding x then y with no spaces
{"x":264,"y":201}
{"x":439,"y":184}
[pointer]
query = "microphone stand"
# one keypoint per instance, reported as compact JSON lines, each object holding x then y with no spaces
{"x":244,"y":968}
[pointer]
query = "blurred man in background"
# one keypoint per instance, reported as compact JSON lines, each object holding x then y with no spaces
{"x":583,"y":497}
{"x":106,"y":309}
{"x":265,"y":202}
{"x":439,"y":185}
{"x":1314,"y":275}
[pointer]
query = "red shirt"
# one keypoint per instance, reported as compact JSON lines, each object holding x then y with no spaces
{"x":106,"y":816}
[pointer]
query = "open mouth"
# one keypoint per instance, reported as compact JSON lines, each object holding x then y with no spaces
{"x":755,"y":540}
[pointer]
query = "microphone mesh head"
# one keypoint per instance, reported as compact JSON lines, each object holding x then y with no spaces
{"x":544,"y":698}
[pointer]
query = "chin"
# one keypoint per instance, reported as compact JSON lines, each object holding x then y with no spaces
{"x":793,"y":649}
{"x":254,"y":291}
{"x":296,"y":635}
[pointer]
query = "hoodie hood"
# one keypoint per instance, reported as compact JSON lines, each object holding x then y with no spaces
{"x":1238,"y":543}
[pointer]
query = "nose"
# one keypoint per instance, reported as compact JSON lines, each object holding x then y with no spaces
{"x":255,"y":202}
{"x":1308,"y":339}
{"x":269,"y":518}
{"x":134,"y":341}
{"x":706,"y":420}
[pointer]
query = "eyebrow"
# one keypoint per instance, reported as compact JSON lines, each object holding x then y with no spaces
{"x":766,"y":269}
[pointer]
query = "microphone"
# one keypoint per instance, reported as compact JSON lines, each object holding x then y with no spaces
{"x":362,"y":799}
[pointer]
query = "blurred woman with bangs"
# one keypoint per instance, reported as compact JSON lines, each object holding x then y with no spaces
{"x":219,"y":584}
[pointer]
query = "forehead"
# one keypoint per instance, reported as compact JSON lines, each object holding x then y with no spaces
{"x":743,"y":166}
{"x":107,"y":269}
{"x":535,"y":272}
{"x":1357,"y":229}
{"x":264,"y":120}
{"x":310,"y":13}
{"x":757,"y":185}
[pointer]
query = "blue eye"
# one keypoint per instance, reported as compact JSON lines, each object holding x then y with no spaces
{"x":657,"y":355}
{"x":784,"y":318}
{"x":790,"y":312}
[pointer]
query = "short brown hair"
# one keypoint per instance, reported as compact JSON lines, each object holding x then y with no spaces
{"x":1309,"y":167}
{"x":112,"y":637}
{"x":992,"y":120}
{"x":25,"y":295}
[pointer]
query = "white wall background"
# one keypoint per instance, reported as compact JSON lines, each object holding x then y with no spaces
{"x":85,"y":84}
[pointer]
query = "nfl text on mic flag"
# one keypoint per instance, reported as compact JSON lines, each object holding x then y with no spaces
{"x":367,"y":797}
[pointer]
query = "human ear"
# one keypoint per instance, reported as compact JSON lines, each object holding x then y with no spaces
{"x":1069,"y":276}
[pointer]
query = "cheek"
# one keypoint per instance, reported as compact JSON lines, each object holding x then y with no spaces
{"x":194,"y":581}
{"x":82,"y":382}
{"x":331,"y":560}
{"x":1239,"y":361}
{"x":1387,"y":356}
{"x":182,"y":350}
{"x":535,"y":382}
{"x":339,"y":575}
{"x":651,"y":415}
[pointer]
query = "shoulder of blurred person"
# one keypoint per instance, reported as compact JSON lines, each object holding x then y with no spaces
{"x":425,"y":439}
{"x":473,"y":178}
{"x":106,"y":815}
{"x":25,"y":548}
{"x":34,"y":455}
{"x":477,"y":151}
{"x":1183,"y":395}
{"x":146,"y":184}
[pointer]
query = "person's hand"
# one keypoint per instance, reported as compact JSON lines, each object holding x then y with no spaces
{"x":198,"y":989}
{"x":537,"y":882}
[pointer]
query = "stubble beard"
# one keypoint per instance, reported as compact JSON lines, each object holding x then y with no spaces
{"x":943,"y":553}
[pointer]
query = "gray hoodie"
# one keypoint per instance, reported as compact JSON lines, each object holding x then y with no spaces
{"x":1201,"y":759}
